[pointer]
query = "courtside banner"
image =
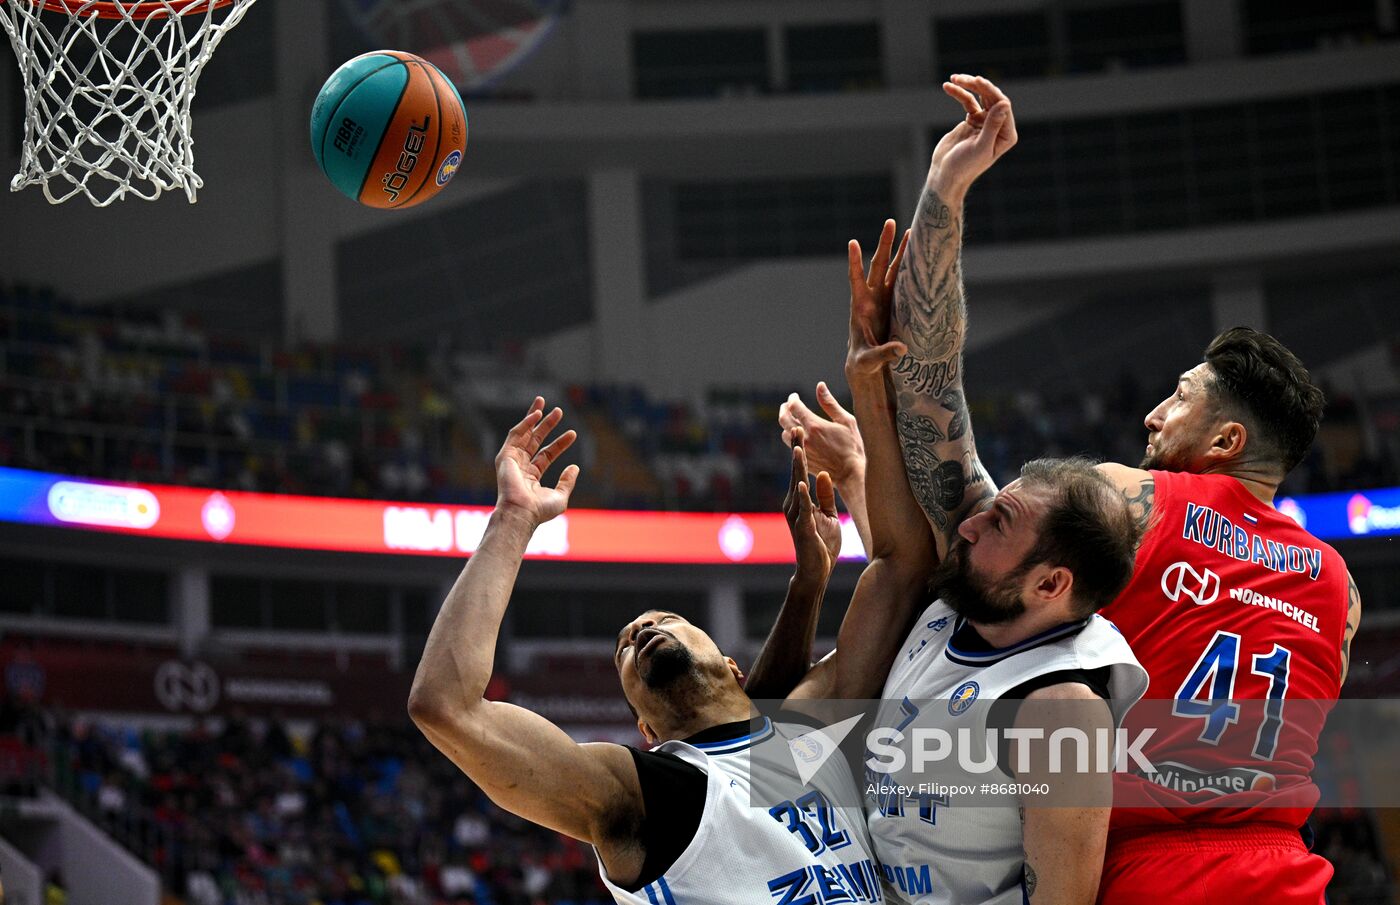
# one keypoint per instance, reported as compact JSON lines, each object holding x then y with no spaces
{"x":580,"y":535}
{"x":376,"y":526}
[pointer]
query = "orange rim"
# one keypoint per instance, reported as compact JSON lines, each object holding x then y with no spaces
{"x":134,"y":9}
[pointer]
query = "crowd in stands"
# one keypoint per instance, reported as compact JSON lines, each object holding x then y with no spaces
{"x":340,"y":812}
{"x":149,"y":397}
{"x":722,"y":453}
{"x":344,"y":813}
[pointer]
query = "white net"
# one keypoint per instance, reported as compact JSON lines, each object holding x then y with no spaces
{"x":107,"y":91}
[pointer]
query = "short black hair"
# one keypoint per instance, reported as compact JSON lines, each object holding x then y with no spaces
{"x":1088,"y":530}
{"x":1260,"y":382}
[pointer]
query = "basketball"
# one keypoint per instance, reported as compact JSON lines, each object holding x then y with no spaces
{"x":389,"y":129}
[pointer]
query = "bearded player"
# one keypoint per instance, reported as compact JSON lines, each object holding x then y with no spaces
{"x":1012,"y":642}
{"x":1242,"y":619}
{"x":673,"y":825}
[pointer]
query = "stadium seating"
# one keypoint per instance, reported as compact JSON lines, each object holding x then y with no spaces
{"x":257,"y":813}
{"x":149,"y":397}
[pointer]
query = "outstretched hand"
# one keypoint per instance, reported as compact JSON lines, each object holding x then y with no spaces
{"x":816,"y":528}
{"x":831,"y":444}
{"x":523,"y":460}
{"x":868,"y":345}
{"x":973,"y":145}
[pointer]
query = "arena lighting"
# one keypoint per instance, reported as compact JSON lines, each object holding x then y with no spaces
{"x":426,"y":529}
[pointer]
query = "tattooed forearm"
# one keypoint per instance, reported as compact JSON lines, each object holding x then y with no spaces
{"x":938,"y":214}
{"x":930,"y":318}
{"x":928,"y":377}
{"x":938,"y":485}
{"x":917,"y":429}
{"x":928,"y":299}
{"x":1140,"y":503}
{"x":952,"y":400}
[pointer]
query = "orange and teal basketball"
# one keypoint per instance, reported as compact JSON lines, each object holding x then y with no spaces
{"x":389,"y":129}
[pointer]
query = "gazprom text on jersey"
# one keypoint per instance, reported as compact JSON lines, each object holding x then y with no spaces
{"x":1209,"y":528}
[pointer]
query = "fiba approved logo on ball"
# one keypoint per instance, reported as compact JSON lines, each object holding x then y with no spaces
{"x":348,"y":137}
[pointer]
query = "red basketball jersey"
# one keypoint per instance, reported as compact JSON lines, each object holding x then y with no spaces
{"x":1237,"y":614}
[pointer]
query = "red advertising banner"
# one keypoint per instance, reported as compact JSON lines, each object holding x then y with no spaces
{"x":372,"y":526}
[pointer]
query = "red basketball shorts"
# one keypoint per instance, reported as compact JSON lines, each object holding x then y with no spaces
{"x":1222,"y":865}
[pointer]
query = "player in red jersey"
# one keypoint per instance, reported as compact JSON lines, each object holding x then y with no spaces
{"x":1242,"y":619}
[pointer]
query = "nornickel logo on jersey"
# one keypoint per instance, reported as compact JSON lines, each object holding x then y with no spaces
{"x":1182,"y":580}
{"x":1296,"y":613}
{"x":963,"y":697}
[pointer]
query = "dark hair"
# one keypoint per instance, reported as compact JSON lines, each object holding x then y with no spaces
{"x":1258,"y":381}
{"x":1088,"y":530}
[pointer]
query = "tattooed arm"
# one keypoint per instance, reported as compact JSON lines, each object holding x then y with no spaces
{"x":1353,"y":623}
{"x":1137,"y":485}
{"x":930,"y":316}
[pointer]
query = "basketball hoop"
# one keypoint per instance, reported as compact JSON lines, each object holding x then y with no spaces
{"x":107,"y":92}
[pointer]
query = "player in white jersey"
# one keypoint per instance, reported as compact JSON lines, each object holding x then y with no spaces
{"x":931,"y":849}
{"x":1022,"y":573}
{"x":740,"y":852}
{"x":676,"y":825}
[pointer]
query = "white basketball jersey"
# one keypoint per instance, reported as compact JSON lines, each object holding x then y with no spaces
{"x":932,"y":852}
{"x":807,"y":850}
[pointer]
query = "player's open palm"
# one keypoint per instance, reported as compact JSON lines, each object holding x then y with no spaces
{"x":815,"y":527}
{"x":831,"y":444}
{"x":973,"y":145}
{"x":523,"y":460}
{"x":868,"y":345}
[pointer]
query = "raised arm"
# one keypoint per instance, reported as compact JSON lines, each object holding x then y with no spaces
{"x":525,"y":763}
{"x":786,"y":656}
{"x":898,"y":530}
{"x":930,"y":315}
{"x":893,"y":585}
